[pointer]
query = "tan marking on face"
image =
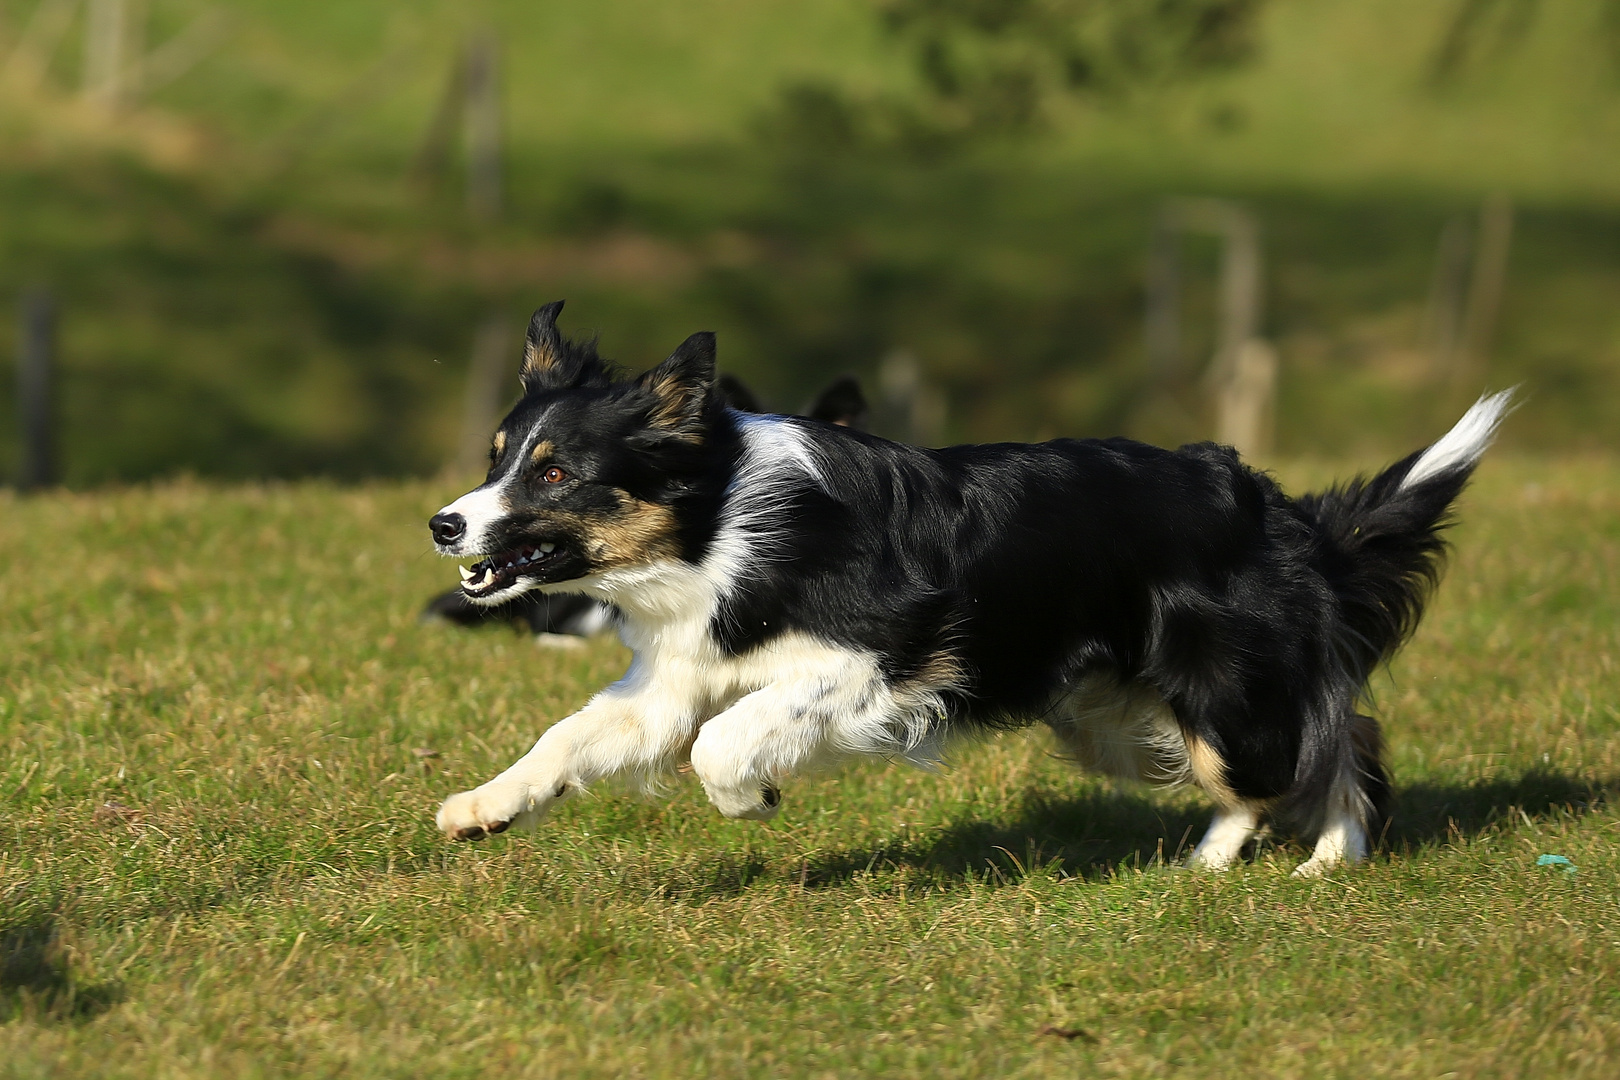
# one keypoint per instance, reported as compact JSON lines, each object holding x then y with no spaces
{"x":1209,"y":770}
{"x":639,"y":533}
{"x":634,"y":534}
{"x":500,"y":443}
{"x":542,"y":450}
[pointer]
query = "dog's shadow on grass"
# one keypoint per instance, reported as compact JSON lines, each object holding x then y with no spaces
{"x":37,"y":980}
{"x":1103,"y":832}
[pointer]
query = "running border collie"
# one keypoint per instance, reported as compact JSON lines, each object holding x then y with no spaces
{"x":795,"y":593}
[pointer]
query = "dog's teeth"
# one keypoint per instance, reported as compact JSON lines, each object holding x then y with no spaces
{"x":466,"y":574}
{"x":547,"y":549}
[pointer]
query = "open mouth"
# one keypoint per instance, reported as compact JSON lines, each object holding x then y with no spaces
{"x":491,"y":575}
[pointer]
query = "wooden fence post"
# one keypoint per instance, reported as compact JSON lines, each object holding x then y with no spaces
{"x":483,"y":127}
{"x":1486,"y":287}
{"x":1242,"y":375}
{"x":912,"y":407}
{"x":1448,"y":298}
{"x":35,"y":397}
{"x":1162,"y":331}
{"x":106,"y":40}
{"x":486,"y":375}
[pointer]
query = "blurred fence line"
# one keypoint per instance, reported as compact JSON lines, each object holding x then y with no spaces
{"x":36,"y":361}
{"x":116,"y":67}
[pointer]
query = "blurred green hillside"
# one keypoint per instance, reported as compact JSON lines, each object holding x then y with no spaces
{"x":254,"y":281}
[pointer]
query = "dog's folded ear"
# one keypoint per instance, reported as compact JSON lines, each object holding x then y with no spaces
{"x":679,"y":389}
{"x":552,"y":363}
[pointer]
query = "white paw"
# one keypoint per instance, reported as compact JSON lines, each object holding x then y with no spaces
{"x":751,"y":804}
{"x":1211,"y":862}
{"x":1315,"y":867}
{"x":484,"y":811}
{"x":559,"y":641}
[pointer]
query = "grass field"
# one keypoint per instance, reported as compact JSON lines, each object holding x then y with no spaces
{"x":223,"y":733}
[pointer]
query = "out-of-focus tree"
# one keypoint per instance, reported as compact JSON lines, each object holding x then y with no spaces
{"x":1480,"y":30}
{"x":994,"y":67}
{"x":994,"y":63}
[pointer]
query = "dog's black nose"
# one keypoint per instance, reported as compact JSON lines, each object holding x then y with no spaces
{"x":448,"y":528}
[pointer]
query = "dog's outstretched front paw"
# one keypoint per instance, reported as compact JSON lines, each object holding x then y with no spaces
{"x":485,"y":811}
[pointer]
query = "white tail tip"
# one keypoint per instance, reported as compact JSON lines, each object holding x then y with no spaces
{"x":1463,"y":445}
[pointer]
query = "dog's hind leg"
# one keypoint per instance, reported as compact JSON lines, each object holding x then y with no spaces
{"x":1236,"y":820}
{"x":1355,"y":805}
{"x":1233,"y":827}
{"x":1343,"y":837}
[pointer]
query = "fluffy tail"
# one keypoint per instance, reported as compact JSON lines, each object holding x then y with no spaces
{"x":1382,"y":537}
{"x":1381,"y":548}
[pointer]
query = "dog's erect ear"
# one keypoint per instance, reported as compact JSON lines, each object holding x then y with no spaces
{"x":680,"y":388}
{"x":551,"y":363}
{"x":543,"y":352}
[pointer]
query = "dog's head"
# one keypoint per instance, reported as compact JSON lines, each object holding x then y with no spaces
{"x":589,"y":471}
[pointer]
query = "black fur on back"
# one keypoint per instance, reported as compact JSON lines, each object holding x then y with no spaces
{"x":1257,"y":617}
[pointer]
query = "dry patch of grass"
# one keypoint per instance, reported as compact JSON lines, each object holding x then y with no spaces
{"x":222,"y":734}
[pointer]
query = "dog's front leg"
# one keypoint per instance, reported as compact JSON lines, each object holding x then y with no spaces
{"x":619,"y":731}
{"x":743,"y":754}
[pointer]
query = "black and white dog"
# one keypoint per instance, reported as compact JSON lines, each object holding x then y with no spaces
{"x":796,"y":592}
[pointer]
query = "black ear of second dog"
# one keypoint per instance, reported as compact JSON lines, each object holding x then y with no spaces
{"x":735,"y":393}
{"x":842,"y":403}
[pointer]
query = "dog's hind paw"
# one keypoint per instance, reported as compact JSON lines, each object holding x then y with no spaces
{"x":485,"y":811}
{"x":1317,"y":866}
{"x":759,"y":804}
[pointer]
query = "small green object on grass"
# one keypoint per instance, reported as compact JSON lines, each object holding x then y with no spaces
{"x":1556,"y":860}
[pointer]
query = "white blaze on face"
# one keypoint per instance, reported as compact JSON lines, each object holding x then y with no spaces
{"x":482,"y":508}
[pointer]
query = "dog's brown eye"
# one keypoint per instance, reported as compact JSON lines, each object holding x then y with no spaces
{"x":553,"y":475}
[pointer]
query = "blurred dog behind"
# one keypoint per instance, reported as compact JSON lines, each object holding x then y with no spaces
{"x":564,"y":620}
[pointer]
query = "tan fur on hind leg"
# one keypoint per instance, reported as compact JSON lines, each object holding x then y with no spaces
{"x":1236,"y":820}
